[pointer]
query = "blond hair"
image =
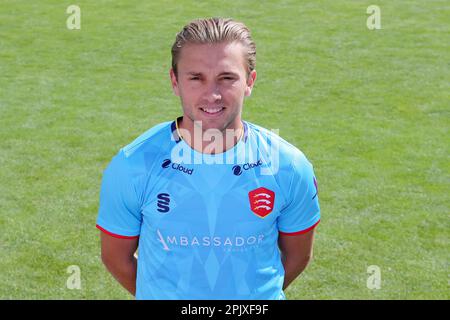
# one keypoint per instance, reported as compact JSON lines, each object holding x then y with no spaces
{"x":215,"y":30}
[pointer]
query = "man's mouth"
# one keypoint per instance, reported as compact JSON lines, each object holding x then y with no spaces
{"x":213,"y":111}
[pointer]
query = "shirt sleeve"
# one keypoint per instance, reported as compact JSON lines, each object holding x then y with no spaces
{"x":119,"y":212}
{"x":302,"y":212}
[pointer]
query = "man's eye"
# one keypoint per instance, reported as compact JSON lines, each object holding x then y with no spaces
{"x":194,"y":78}
{"x":227,"y":78}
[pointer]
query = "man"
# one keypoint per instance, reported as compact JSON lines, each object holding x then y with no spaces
{"x":220,"y":208}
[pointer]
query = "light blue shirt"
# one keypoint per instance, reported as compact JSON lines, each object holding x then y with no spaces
{"x":208,"y":225}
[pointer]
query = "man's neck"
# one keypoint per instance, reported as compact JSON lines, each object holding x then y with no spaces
{"x":211,"y":141}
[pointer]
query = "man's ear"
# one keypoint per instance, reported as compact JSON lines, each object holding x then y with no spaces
{"x":174,"y":82}
{"x":250,"y":83}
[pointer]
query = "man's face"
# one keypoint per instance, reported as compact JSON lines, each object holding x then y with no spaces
{"x":212,"y":83}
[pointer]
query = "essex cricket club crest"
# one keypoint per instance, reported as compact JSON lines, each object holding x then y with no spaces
{"x":261,"y":201}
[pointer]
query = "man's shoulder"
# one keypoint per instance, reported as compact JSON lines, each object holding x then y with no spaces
{"x":157,"y":136}
{"x":270,"y":141}
{"x":136,"y":156}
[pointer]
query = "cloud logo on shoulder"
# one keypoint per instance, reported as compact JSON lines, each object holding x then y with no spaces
{"x":176,"y":166}
{"x":237,"y":169}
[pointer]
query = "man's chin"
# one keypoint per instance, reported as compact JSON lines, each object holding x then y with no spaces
{"x":220,"y":123}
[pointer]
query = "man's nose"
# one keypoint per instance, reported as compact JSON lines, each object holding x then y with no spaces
{"x":212,"y":93}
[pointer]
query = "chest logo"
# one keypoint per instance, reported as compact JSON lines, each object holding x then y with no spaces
{"x":261,"y":201}
{"x":163,"y":202}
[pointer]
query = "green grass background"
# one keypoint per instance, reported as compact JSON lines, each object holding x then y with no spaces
{"x":370,"y":109}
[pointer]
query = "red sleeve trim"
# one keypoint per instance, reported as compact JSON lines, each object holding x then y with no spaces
{"x":115,"y":235}
{"x":299,"y":232}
